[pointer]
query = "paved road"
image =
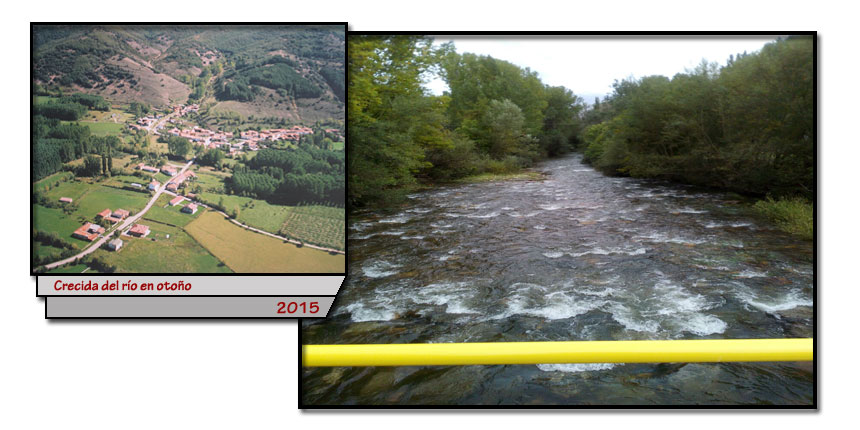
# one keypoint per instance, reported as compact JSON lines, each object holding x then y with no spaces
{"x":122,"y":226}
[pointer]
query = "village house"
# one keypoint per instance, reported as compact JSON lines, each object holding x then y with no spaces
{"x":146,"y":168}
{"x":65,"y":200}
{"x":176,"y":200}
{"x":88,"y":231}
{"x":153,"y":185}
{"x":139,"y":230}
{"x":115,"y":244}
{"x":120,"y":214}
{"x":114,"y":216}
{"x":168,"y":170}
{"x":171,"y":186}
{"x":190,"y":208}
{"x":178,"y":180}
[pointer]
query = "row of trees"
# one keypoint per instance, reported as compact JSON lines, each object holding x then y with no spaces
{"x":748,"y":126}
{"x":495,"y":117}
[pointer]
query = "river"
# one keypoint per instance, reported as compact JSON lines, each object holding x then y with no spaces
{"x":577,"y":256}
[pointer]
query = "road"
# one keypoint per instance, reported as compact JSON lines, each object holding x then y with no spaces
{"x":153,"y":128}
{"x":122,"y":226}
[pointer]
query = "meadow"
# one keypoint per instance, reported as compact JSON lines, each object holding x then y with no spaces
{"x":103,"y":128}
{"x":253,"y":212}
{"x":163,"y":213}
{"x":55,"y":220}
{"x":89,"y":200}
{"x":167,"y":249}
{"x":248,"y":252}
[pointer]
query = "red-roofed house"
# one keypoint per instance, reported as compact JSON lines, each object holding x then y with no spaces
{"x":65,"y":200}
{"x":103,"y":214}
{"x":139,"y":230}
{"x":88,"y":231}
{"x":189,"y":208}
{"x":120,"y":213}
{"x":176,"y":200}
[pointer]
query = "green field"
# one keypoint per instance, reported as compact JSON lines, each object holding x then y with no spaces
{"x":52,"y":180}
{"x":254,"y":212}
{"x":55,"y":220}
{"x":338,"y":146}
{"x":121,"y":181}
{"x":42,"y":99}
{"x":210,"y":181}
{"x":163,"y":213}
{"x":104,"y":128}
{"x":319,"y":225}
{"x":100,"y":198}
{"x":179,"y":253}
{"x":90,"y":200}
{"x":248,"y":252}
{"x":72,"y":189}
{"x":41,"y":250}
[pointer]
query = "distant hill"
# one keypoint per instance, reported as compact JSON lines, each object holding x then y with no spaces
{"x":284,"y":71}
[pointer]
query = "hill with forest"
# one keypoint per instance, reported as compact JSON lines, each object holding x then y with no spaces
{"x":291,"y":72}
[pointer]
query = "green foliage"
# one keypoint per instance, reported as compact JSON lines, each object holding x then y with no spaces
{"x":92,"y":166}
{"x":62,"y":109}
{"x":303,"y":174}
{"x":91,"y":101}
{"x":335,"y":79}
{"x":793,"y":215}
{"x":178,"y":146}
{"x":77,"y":56}
{"x":139,"y":109}
{"x":497,"y":117}
{"x":277,"y":75}
{"x":475,"y":81}
{"x":747,"y":126}
{"x":211,"y":157}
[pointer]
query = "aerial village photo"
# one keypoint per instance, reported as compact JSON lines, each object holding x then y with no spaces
{"x":187,"y":149}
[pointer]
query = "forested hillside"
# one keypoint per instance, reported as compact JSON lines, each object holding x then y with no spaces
{"x":260,"y":70}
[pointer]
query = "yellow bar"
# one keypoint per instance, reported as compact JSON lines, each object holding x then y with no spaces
{"x":621,"y":351}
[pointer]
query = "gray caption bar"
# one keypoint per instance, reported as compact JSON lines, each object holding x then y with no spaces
{"x":187,"y":307}
{"x":52,"y":285}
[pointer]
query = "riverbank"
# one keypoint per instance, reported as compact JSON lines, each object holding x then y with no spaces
{"x":792,"y":215}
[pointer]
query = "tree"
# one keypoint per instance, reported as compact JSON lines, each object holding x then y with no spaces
{"x":92,"y":166}
{"x":505,"y":121}
{"x":178,"y":146}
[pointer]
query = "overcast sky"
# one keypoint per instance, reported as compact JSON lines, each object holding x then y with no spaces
{"x":588,"y":65}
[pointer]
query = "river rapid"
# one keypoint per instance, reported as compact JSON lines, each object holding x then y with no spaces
{"x":577,"y":256}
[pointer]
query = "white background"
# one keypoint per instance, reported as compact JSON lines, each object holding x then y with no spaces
{"x":117,"y":375}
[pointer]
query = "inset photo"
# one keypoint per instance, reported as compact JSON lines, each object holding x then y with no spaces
{"x":193,"y":149}
{"x":575,"y":221}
